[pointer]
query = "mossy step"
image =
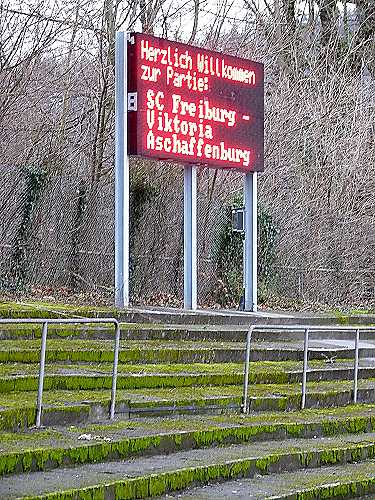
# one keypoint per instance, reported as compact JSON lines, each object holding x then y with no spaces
{"x":21,"y":377}
{"x":235,"y":333}
{"x":163,"y":473}
{"x":80,"y":378}
{"x":21,"y":368}
{"x":40,"y":309}
{"x":355,"y":480}
{"x":151,"y":351}
{"x":105,"y":331}
{"x":50,"y":448}
{"x":170,"y":393}
{"x":18,"y":409}
{"x":83,"y":381}
{"x":137,"y":352}
{"x":140,"y":331}
{"x":353,"y":418}
{"x":30,"y":331}
{"x":170,"y":332}
{"x":255,"y":366}
{"x":131,"y":351}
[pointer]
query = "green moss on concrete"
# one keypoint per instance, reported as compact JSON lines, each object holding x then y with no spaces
{"x":331,"y":457}
{"x":25,"y":362}
{"x":87,"y":382}
{"x":345,"y":490}
{"x":342,"y":319}
{"x":17,"y":418}
{"x":50,"y":457}
{"x":158,"y":484}
{"x":199,"y":397}
{"x":356,"y":454}
{"x":36,"y":309}
{"x":295,"y":430}
{"x":306,"y":458}
{"x":263,"y":464}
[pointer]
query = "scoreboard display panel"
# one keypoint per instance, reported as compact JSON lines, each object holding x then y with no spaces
{"x":193,"y":105}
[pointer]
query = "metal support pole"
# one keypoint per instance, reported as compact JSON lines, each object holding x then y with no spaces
{"x":114,"y":372}
{"x":121,"y":174}
{"x":305,"y":367}
{"x":190,"y":237}
{"x":41,"y":375}
{"x":246,"y":372}
{"x":250,"y":264}
{"x":356,"y":364}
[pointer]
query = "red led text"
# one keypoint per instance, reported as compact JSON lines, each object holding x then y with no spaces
{"x":194,"y":105}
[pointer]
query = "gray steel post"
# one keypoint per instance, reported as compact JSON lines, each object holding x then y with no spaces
{"x":114,"y":372}
{"x":250,"y":264}
{"x":246,"y":372}
{"x":190,"y":237}
{"x":305,"y":367}
{"x":41,"y":375}
{"x":356,"y":363}
{"x":121,"y":174}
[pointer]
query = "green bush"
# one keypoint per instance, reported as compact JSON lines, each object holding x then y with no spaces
{"x":15,"y":279}
{"x":228,"y":257}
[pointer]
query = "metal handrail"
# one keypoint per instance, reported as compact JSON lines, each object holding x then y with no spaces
{"x":306,"y":329}
{"x":72,"y":321}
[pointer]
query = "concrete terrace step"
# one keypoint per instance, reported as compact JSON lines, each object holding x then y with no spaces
{"x":24,"y":377}
{"x":150,"y":476}
{"x":147,"y":331}
{"x":177,"y":351}
{"x":17,"y":409}
{"x":43,"y":449}
{"x":29,"y":308}
{"x":342,"y":481}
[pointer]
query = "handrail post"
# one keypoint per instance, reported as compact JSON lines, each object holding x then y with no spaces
{"x":356,"y":363}
{"x":246,"y":371}
{"x":114,"y":372}
{"x":305,"y":367}
{"x":41,"y":374}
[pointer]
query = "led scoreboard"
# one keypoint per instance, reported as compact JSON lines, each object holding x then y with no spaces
{"x":194,"y":105}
